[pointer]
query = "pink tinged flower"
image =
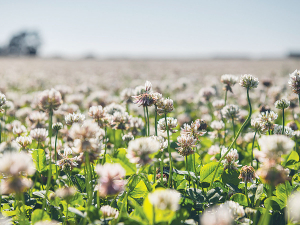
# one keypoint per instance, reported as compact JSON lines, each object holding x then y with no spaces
{"x":110,"y":181}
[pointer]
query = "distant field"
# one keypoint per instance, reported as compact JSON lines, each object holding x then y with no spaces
{"x":113,"y":74}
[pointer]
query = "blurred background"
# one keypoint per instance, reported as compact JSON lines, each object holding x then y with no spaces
{"x":118,"y":29}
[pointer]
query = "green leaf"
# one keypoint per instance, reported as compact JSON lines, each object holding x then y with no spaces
{"x":79,"y":181}
{"x":123,"y":160}
{"x":76,"y":211}
{"x":37,"y":216}
{"x":195,"y":195}
{"x":240,"y":198}
{"x":259,"y":192}
{"x":140,"y":190}
{"x":39,"y":159}
{"x":283,"y":191}
{"x":207,"y":172}
{"x":230,"y":176}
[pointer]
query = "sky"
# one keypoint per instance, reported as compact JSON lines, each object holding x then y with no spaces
{"x":156,"y":28}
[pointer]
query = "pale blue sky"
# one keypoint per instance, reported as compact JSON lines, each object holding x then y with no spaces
{"x":158,"y":27}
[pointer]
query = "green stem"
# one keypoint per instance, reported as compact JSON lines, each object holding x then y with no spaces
{"x":246,"y":192}
{"x":114,"y":132}
{"x":240,"y":130}
{"x":187,"y":169}
{"x":170,"y":156}
{"x":233,"y":127}
{"x":146,"y":126}
{"x":282,"y":121}
{"x":55,"y":152}
{"x":155,"y":120}
{"x":162,"y":169}
{"x":24,"y":208}
{"x":105,"y":146}
{"x":154,"y":172}
{"x":87,"y":162}
{"x":148,"y":123}
{"x":67,"y":213}
{"x":252,"y":149}
{"x":153,"y":220}
{"x":225,"y":97}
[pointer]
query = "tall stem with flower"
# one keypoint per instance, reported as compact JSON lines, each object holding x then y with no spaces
{"x":248,"y":81}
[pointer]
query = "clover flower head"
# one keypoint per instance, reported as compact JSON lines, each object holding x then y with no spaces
{"x":165,"y":199}
{"x":139,"y":150}
{"x":186,"y":144}
{"x":294,"y":81}
{"x":282,"y":104}
{"x":287,"y":130}
{"x":249,"y":81}
{"x":247,"y":174}
{"x":50,"y":100}
{"x":108,"y":211}
{"x":231,"y":159}
{"x":111,"y":179}
{"x":217,"y":125}
{"x":218,"y":104}
{"x":165,"y":105}
{"x":230,"y":111}
{"x":74,"y":118}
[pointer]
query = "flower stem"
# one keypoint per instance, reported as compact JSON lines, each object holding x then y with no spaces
{"x":233,"y":127}
{"x":88,"y":172}
{"x":153,"y":215}
{"x":225,"y":97}
{"x":187,"y":169}
{"x":148,"y":123}
{"x":56,"y":173}
{"x":155,"y":120}
{"x":145,"y":121}
{"x":105,"y":147}
{"x":170,"y":156}
{"x":282,"y":121}
{"x":246,"y":192}
{"x":240,"y":130}
{"x":252,"y":149}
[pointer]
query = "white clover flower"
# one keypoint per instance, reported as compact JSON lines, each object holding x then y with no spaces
{"x":126,"y":94}
{"x":248,"y":81}
{"x":231,"y":159}
{"x":50,"y":100}
{"x":87,"y":130}
{"x":165,"y":199}
{"x":164,"y":105}
{"x":110,"y":181}
{"x":171,"y":123}
{"x":236,"y":210}
{"x":65,"y":192}
{"x":293,"y":207}
{"x":186,"y":143}
{"x":216,"y":215}
{"x":18,"y":130}
{"x":214,"y":149}
{"x":163,"y":142}
{"x":67,"y":163}
{"x":287,"y":130}
{"x":16,"y":163}
{"x":2,"y":99}
{"x":139,"y":150}
{"x":148,"y":86}
{"x":230,"y":111}
{"x":294,"y":81}
{"x":57,"y":126}
{"x":24,"y":141}
{"x":275,"y":145}
{"x":258,"y":125}
{"x":113,"y":107}
{"x":39,"y":134}
{"x":36,"y":119}
{"x":108,"y":211}
{"x":218,"y":104}
{"x":74,"y":118}
{"x":249,"y":137}
{"x":282,"y":104}
{"x":217,"y":125}
{"x":128,"y":137}
{"x":229,"y":80}
{"x":207,"y":93}
{"x":267,"y":120}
